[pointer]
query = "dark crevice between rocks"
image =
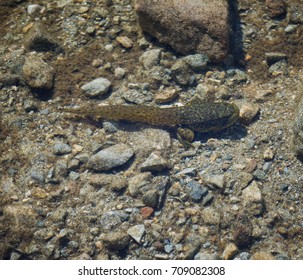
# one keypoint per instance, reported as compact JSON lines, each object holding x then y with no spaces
{"x":235,"y":35}
{"x":43,"y":94}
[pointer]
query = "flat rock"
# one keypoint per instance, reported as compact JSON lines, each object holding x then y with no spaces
{"x":110,"y":158}
{"x":136,"y":232}
{"x":188,"y":26}
{"x":154,"y":163}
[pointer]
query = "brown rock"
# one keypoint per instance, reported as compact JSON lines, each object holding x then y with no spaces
{"x":188,"y":26}
{"x":125,"y":41}
{"x":37,"y":73}
{"x":262,"y":256}
{"x":230,"y":250}
{"x":146,"y":212}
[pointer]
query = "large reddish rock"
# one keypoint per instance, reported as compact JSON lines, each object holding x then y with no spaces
{"x":188,"y":26}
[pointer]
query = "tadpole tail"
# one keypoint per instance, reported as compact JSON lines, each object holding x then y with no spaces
{"x":133,"y":113}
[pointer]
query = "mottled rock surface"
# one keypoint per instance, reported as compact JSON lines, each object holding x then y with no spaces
{"x":187,"y":26}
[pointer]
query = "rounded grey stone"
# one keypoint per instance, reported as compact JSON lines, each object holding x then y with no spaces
{"x":61,"y":149}
{"x":110,"y":158}
{"x":96,"y":88}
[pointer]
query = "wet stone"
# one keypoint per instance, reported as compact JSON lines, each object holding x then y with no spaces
{"x":61,"y":149}
{"x":38,"y":175}
{"x":168,"y":248}
{"x":96,"y":88}
{"x":196,"y":191}
{"x":137,"y":232}
{"x":197,"y":62}
{"x":191,"y":171}
{"x":252,"y":199}
{"x":166,"y":96}
{"x":154,"y":163}
{"x":216,"y":181}
{"x":36,"y":73}
{"x":259,"y":175}
{"x":150,"y":58}
{"x":229,"y":251}
{"x":110,"y":158}
{"x":125,"y":41}
{"x":151,"y":198}
{"x":116,"y":241}
{"x":200,"y":27}
{"x":182,"y":73}
{"x":248,"y":111}
{"x":112,"y":219}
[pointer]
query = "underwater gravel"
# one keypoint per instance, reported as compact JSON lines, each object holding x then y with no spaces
{"x":117,"y":190}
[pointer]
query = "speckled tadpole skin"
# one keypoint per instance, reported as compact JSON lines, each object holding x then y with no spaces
{"x":198,"y":115}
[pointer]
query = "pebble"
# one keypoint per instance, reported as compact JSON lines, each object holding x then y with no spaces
{"x":33,"y":9}
{"x":38,"y":175}
{"x":244,"y":256}
{"x":30,"y":105}
{"x":229,"y":252}
{"x":196,"y":191}
{"x":279,"y":68}
{"x":119,"y":73}
{"x":197,"y":62}
{"x":266,"y":167}
{"x":125,"y":41}
{"x":182,"y":73}
{"x":166,"y":96}
{"x":191,"y":171}
{"x":60,"y":149}
{"x":259,"y":175}
{"x":154,"y":163}
{"x":268,"y":154}
{"x":110,"y":158}
{"x":74,"y":176}
{"x":60,"y":169}
{"x":90,"y":30}
{"x":252,"y":199}
{"x":151,"y":198}
{"x":205,"y":256}
{"x":137,"y":96}
{"x":248,"y":111}
{"x":137,"y":232}
{"x":96,"y":88}
{"x":83,"y":9}
{"x":216,"y":181}
{"x":116,"y":240}
{"x":111,"y":219}
{"x":168,"y":248}
{"x":150,"y":58}
{"x":262,"y":256}
{"x":290,"y":28}
{"x":146,"y":212}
